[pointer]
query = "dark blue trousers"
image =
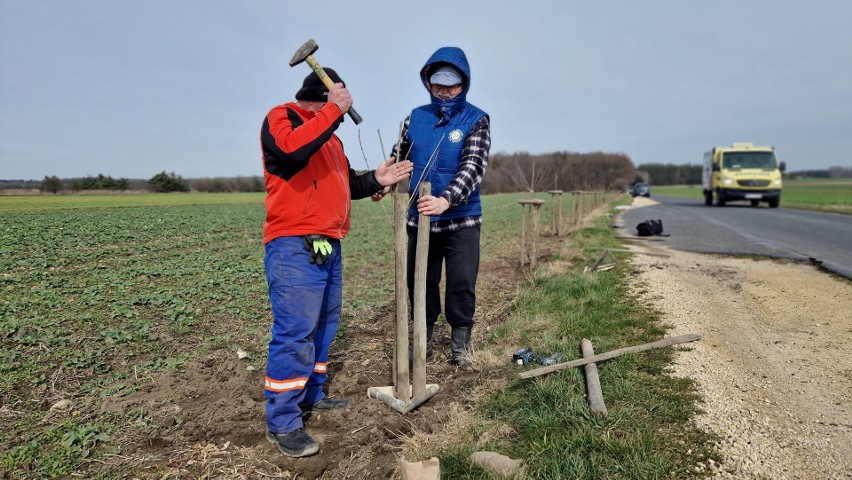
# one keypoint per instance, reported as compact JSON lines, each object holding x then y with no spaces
{"x":306,"y":300}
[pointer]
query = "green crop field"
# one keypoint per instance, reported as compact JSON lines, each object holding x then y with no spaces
{"x":26,"y":203}
{"x":829,"y":195}
{"x":103,"y":294}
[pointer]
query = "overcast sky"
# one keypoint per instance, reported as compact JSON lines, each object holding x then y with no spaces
{"x":132,"y":88}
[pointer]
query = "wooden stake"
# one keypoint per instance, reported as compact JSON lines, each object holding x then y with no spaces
{"x":666,"y":342}
{"x":419,"y":374}
{"x":400,"y":365}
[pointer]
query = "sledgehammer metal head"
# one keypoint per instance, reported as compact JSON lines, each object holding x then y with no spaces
{"x":305,"y":53}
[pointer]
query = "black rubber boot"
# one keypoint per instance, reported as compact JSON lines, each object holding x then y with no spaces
{"x":461,"y":348}
{"x":429,"y":341}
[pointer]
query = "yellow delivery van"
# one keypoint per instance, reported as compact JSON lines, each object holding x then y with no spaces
{"x":742,"y":172}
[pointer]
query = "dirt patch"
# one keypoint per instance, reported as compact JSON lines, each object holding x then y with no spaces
{"x":208,"y":417}
{"x":774,"y":365}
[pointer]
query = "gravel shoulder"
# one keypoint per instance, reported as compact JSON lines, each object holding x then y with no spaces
{"x":774,"y":366}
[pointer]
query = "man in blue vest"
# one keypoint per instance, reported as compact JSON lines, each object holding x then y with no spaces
{"x":448,"y":141}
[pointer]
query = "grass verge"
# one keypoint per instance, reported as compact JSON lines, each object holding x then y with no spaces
{"x":545,"y":421}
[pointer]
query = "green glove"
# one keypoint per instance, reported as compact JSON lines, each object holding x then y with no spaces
{"x":319,"y":247}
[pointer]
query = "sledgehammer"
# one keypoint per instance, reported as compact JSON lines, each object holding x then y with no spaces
{"x":305,"y":54}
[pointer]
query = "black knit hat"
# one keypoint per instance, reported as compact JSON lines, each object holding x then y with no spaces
{"x":313,"y":89}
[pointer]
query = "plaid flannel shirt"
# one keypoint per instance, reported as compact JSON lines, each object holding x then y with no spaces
{"x":474,"y":159}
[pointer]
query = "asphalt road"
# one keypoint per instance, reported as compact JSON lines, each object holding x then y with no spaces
{"x":824,"y":238}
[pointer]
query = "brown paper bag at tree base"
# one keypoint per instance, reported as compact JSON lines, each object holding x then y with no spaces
{"x":424,"y":470}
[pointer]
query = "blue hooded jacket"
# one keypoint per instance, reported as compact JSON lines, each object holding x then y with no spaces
{"x":436,"y":133}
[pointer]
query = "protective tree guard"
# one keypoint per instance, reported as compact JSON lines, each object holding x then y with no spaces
{"x":526,"y":205}
{"x":555,"y":212}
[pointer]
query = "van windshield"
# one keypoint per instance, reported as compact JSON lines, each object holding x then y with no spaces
{"x":749,"y":160}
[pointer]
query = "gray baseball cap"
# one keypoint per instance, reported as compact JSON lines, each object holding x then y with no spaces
{"x":447,"y":76}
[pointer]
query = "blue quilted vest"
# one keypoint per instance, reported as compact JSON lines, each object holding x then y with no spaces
{"x":425,"y":131}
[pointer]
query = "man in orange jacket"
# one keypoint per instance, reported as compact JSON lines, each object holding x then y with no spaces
{"x":309,"y":185}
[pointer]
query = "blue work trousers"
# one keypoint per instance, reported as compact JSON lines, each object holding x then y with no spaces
{"x":306,"y":300}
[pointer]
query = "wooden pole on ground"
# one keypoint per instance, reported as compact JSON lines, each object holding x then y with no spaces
{"x":666,"y":342}
{"x":593,"y":382}
{"x":601,"y":258}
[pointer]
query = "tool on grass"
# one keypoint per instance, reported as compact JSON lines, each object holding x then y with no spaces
{"x":305,"y":54}
{"x":524,"y":356}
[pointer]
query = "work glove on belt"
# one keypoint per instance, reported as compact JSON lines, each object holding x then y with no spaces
{"x":319,"y":247}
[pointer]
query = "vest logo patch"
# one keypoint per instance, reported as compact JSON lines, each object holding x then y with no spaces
{"x":455,"y":136}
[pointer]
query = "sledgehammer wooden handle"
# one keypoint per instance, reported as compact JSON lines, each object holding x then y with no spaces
{"x":315,"y":66}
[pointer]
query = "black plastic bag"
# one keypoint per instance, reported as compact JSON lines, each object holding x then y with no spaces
{"x":649,"y":228}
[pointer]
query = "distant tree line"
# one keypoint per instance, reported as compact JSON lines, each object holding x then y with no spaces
{"x":566,"y":171}
{"x":228,"y":184}
{"x":832,"y":172}
{"x":669,"y":174}
{"x":161,"y":182}
{"x":840,"y":172}
{"x":515,"y":172}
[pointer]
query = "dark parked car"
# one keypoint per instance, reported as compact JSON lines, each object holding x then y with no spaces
{"x":640,"y":190}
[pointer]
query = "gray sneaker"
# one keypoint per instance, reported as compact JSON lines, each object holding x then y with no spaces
{"x":294,"y":444}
